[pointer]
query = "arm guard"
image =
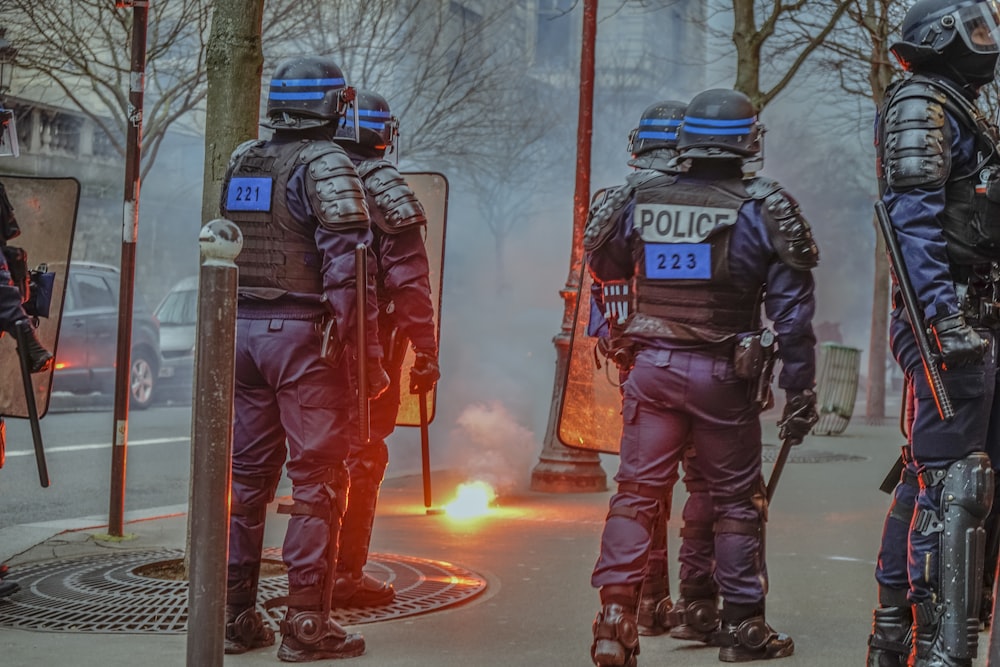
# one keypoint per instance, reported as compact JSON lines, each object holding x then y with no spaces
{"x":338,"y":196}
{"x":915,"y":151}
{"x":788,"y":230}
{"x":398,"y":203}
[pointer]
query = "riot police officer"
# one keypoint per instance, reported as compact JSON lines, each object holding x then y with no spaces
{"x":653,"y":147}
{"x":938,"y":164}
{"x":301,"y":208}
{"x":406,"y":315}
{"x":705,"y":251}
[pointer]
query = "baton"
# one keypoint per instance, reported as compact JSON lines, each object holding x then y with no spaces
{"x":361,"y":289}
{"x":941,"y":398}
{"x":779,"y":465}
{"x":425,"y":450}
{"x":29,"y":399}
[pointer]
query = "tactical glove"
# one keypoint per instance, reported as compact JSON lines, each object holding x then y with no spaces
{"x":959,"y":343}
{"x":618,"y":350}
{"x":425,"y":373}
{"x":378,"y":379}
{"x":799,"y":415}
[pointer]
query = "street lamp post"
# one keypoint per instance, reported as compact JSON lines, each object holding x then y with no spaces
{"x":561,"y":469}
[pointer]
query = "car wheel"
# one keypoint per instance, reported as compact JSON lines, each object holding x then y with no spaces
{"x":142,"y":380}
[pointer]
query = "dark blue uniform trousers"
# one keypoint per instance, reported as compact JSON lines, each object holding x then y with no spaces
{"x":672,"y":396}
{"x":285,"y":392}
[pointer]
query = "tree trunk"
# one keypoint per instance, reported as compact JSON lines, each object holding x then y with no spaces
{"x":234,"y":64}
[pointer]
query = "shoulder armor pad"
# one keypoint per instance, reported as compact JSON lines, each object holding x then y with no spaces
{"x":915,"y":151}
{"x":395,"y":199}
{"x":340,"y":197}
{"x":760,"y":187}
{"x":604,"y":216}
{"x":788,"y":230}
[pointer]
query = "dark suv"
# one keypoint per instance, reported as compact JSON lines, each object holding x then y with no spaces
{"x":88,"y":334}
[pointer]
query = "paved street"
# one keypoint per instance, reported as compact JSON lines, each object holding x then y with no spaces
{"x":535,"y":551}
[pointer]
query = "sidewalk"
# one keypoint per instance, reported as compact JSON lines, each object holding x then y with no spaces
{"x":536,"y":552}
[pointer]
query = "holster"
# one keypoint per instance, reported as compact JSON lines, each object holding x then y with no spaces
{"x":753,"y":360}
{"x":331,"y":349}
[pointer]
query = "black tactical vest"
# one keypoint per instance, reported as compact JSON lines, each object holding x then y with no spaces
{"x":684,"y":290}
{"x":279,"y":253}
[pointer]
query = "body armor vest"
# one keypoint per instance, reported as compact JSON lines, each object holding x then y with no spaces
{"x":970,"y":221}
{"x":279,"y":254}
{"x":684,"y":290}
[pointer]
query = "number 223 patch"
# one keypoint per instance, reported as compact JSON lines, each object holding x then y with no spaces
{"x":683,"y":261}
{"x":249,"y":194}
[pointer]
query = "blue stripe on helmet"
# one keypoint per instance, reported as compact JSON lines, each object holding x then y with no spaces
{"x":374,"y":113}
{"x":665,"y":136}
{"x":296,"y":96}
{"x":712,"y":122}
{"x":371,"y":125}
{"x":665,"y":122}
{"x":305,"y":83}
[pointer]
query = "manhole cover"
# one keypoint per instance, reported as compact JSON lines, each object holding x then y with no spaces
{"x":799,"y":455}
{"x":104,"y":594}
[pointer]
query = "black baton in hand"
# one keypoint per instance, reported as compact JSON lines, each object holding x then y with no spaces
{"x":361,"y":287}
{"x":927,"y":354}
{"x":29,"y":399}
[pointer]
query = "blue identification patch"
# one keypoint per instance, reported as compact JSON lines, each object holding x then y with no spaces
{"x":249,"y":194}
{"x":679,"y":261}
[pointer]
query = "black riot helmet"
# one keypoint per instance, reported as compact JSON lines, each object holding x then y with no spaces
{"x":306,"y":92}
{"x":720,"y":123}
{"x":377,"y":127}
{"x":657,"y":127}
{"x":957,"y":37}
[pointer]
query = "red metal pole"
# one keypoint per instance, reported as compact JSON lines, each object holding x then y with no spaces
{"x":561,"y":469}
{"x":130,"y":230}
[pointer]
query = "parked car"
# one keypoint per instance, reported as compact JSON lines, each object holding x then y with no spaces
{"x":178,"y":318}
{"x":86,"y":351}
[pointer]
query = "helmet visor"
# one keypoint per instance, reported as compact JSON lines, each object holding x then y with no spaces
{"x":979,"y":26}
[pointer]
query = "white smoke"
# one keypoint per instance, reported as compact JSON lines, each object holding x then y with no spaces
{"x":495,"y":448}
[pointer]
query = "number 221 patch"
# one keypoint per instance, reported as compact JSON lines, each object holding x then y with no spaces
{"x":249,"y":194}
{"x":679,"y":261}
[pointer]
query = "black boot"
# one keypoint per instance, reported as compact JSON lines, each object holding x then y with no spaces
{"x":695,"y":616}
{"x":655,"y":602}
{"x":616,"y":634}
{"x":746,"y":636}
{"x":654,"y":606}
{"x":307,"y":636}
{"x":930,"y":648}
{"x":892,"y":637}
{"x":354,"y":588}
{"x":39,"y":359}
{"x":245,"y":630}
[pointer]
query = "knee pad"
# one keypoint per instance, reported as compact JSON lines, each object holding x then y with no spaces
{"x":966,"y":495}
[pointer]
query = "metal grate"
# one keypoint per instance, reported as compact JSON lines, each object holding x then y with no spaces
{"x":105,"y":594}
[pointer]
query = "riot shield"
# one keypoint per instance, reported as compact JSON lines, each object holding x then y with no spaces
{"x":46,"y":212}
{"x":432,"y":190}
{"x":590,"y":412}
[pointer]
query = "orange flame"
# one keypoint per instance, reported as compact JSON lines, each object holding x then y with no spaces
{"x":472,"y":499}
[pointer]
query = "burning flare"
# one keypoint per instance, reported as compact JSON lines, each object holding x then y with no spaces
{"x":472,"y":499}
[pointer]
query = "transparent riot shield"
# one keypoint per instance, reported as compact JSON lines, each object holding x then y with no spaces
{"x":46,"y":212}
{"x":432,"y":191}
{"x":590,"y":413}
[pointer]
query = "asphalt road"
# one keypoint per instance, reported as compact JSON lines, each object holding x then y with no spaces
{"x":77,"y":436}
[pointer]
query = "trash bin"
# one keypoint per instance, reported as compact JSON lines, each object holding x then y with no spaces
{"x":836,"y":387}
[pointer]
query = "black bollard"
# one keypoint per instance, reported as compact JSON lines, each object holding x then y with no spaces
{"x":211,"y":443}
